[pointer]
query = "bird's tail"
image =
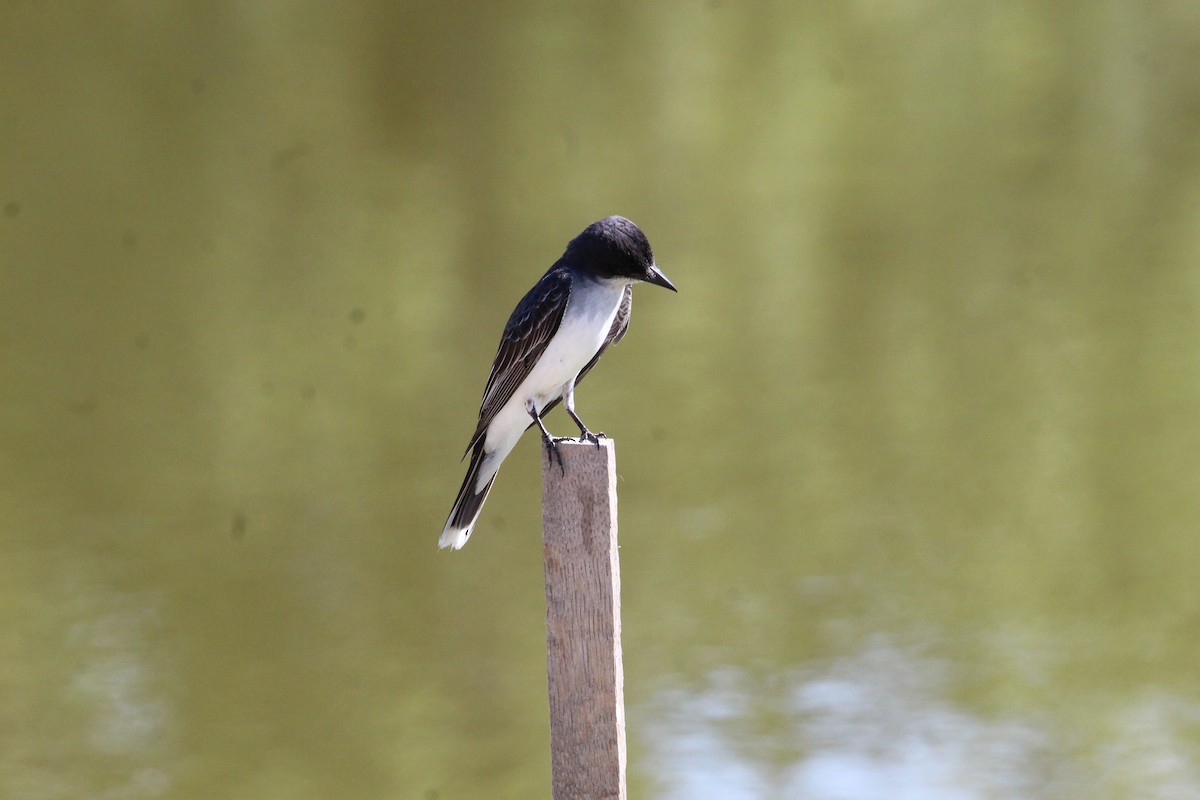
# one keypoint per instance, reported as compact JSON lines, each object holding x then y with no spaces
{"x":467,"y":505}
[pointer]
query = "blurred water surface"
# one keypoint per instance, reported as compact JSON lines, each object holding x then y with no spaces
{"x":909,"y":467}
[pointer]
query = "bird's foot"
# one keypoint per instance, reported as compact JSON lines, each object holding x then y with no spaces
{"x":584,"y":434}
{"x":587,"y":436}
{"x":552,"y":453}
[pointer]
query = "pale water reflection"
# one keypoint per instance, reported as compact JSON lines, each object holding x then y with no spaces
{"x":884,"y":724}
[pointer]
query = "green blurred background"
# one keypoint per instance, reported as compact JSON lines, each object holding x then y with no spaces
{"x":908,"y":468}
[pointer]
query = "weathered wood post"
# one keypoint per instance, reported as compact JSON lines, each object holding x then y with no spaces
{"x":583,"y":623}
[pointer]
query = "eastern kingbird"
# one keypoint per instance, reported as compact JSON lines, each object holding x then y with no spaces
{"x":555,"y":335}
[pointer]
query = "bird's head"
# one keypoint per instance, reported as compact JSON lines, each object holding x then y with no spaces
{"x":614,"y":247}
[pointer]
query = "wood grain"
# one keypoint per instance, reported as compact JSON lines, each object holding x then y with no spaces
{"x":583,"y":623}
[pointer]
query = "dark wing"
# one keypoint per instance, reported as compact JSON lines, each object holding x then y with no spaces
{"x":525,"y":338}
{"x":615,"y":334}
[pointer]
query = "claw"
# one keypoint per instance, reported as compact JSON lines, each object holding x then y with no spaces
{"x":549,"y":441}
{"x":587,"y":436}
{"x":584,"y":434}
{"x":552,"y":453}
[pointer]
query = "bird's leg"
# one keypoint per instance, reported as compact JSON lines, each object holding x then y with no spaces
{"x":569,"y":404}
{"x":549,"y":441}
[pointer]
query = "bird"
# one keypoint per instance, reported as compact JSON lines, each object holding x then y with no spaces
{"x":553,"y":338}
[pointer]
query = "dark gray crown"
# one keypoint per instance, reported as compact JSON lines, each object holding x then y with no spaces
{"x":612,"y":247}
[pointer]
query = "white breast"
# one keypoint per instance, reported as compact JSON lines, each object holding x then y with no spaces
{"x":586,"y":321}
{"x":585,"y":324}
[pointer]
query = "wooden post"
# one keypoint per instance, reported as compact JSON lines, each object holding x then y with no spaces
{"x":583,"y":623}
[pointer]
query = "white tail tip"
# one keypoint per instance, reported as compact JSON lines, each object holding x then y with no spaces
{"x":454,"y":538}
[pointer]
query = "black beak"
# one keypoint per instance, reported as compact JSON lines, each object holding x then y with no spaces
{"x":654,"y":275}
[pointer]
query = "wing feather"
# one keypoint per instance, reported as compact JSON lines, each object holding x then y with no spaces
{"x":526,"y":336}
